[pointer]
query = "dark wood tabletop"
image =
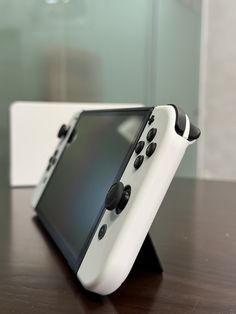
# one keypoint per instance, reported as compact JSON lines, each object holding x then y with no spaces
{"x":195,"y":232}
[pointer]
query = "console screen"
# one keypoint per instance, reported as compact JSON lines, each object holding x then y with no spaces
{"x":73,"y":202}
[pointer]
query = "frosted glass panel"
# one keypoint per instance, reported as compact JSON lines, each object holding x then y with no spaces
{"x":78,"y":50}
{"x":98,"y":51}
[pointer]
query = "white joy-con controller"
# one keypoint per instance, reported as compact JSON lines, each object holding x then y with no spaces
{"x":133,"y":202}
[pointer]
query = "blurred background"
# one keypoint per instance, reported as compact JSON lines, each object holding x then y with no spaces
{"x":131,"y":51}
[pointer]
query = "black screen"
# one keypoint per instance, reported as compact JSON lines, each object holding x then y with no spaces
{"x":73,"y":201}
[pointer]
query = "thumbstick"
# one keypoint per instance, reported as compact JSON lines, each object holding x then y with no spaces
{"x":62,"y":131}
{"x":114,"y":195}
{"x":117,"y":197}
{"x":124,"y":199}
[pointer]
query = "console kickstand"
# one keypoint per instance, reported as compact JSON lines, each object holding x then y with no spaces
{"x":147,"y":259}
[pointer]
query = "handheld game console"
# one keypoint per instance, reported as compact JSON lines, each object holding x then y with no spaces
{"x":104,"y":185}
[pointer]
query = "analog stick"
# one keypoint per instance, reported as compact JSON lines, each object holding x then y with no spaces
{"x":62,"y":131}
{"x":117,"y":197}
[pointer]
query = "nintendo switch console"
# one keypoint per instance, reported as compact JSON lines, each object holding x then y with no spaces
{"x":104,"y":184}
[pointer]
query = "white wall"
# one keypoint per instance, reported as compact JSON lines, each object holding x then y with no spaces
{"x":217,"y":153}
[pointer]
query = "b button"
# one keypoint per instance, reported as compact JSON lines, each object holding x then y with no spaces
{"x":138,"y":161}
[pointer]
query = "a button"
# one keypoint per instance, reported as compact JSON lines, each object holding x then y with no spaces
{"x":102,"y":231}
{"x":139,"y":147}
{"x":151,"y":134}
{"x":138,"y":161}
{"x":150,"y":149}
{"x":151,"y":120}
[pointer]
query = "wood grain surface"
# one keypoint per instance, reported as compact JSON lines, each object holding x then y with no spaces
{"x":195,"y":233}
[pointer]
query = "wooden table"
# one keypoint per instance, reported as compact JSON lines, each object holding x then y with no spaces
{"x":196,"y":234}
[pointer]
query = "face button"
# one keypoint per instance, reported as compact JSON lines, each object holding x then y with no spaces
{"x":150,"y":149}
{"x":62,"y":131}
{"x":151,"y":120}
{"x":138,"y":161}
{"x":139,"y":147}
{"x":151,"y":134}
{"x":102,"y":231}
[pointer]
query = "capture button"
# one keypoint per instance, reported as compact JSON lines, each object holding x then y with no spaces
{"x":138,"y":161}
{"x":102,"y":231}
{"x":150,"y":149}
{"x":139,"y":147}
{"x":151,"y":134}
